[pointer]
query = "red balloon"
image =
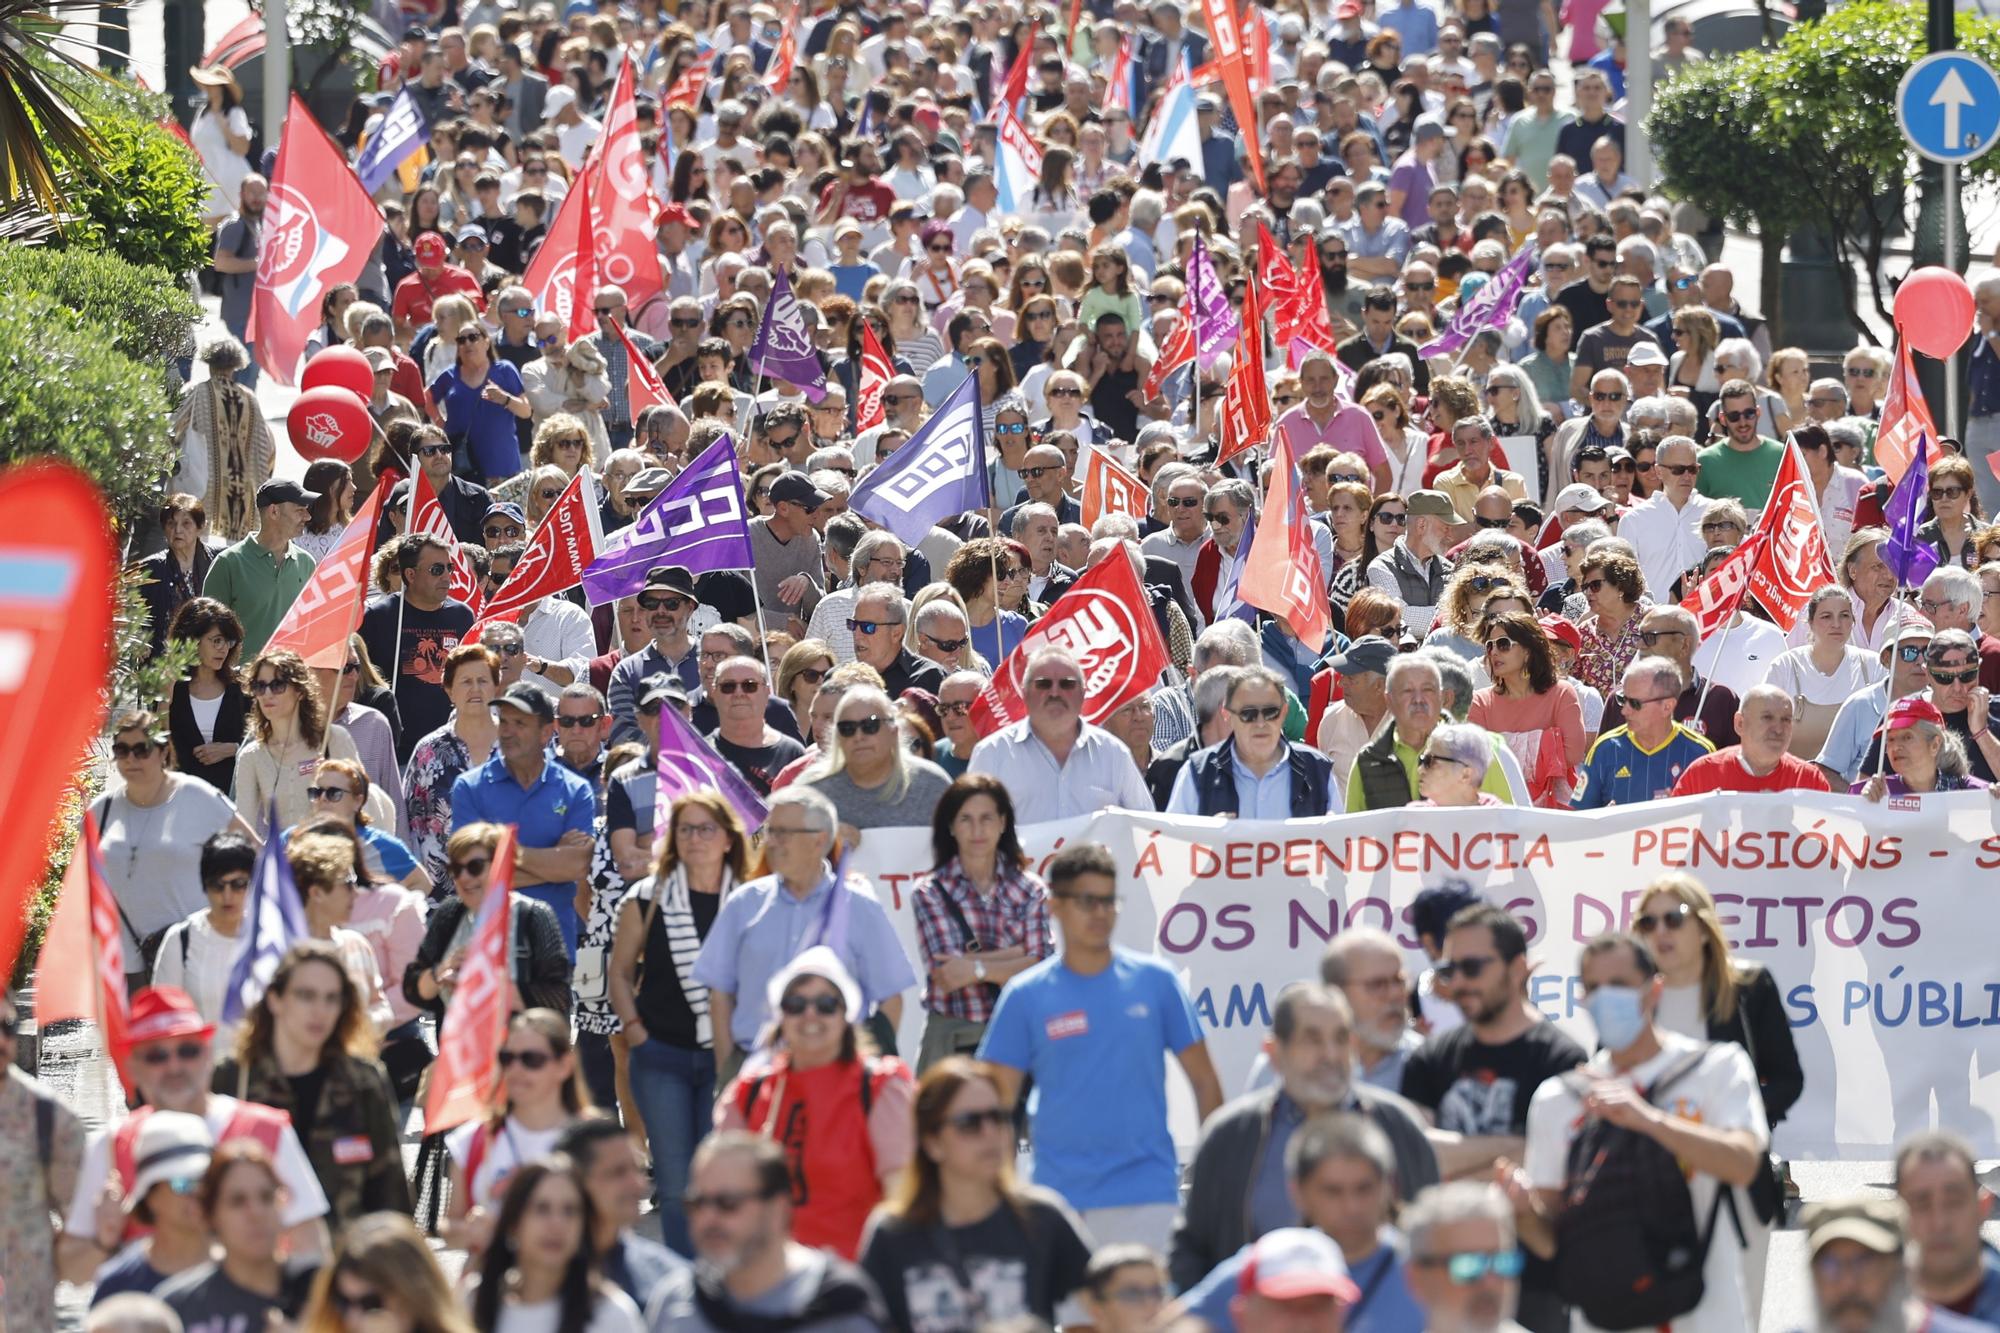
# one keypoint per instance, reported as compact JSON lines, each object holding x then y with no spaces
{"x":330,"y":422}
{"x":1934,"y":311}
{"x":342,"y":366}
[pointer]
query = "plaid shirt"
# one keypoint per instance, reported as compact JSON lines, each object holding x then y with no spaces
{"x":1016,"y":914}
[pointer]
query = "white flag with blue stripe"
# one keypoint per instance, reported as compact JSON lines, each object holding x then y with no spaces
{"x":273,"y":921}
{"x":1173,"y":132}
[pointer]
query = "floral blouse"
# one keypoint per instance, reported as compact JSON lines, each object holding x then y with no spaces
{"x":1601,"y":665}
{"x":434,"y":765}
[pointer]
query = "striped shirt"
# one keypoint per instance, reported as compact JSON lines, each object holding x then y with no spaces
{"x":1620,"y":771}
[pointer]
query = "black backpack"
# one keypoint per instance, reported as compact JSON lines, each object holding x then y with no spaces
{"x":1629,"y":1253}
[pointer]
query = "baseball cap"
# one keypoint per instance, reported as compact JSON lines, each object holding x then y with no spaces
{"x":822,"y":962}
{"x":676,"y":213}
{"x":529,"y":698}
{"x":380,"y":358}
{"x":1295,"y":1262}
{"x":1645,"y":354}
{"x":472,"y":231}
{"x":1426,"y":129}
{"x":1909,"y":711}
{"x":649,"y":481}
{"x":505,"y":509}
{"x":669,"y":578}
{"x":284,"y":492}
{"x":1431,"y":504}
{"x":172,"y":1145}
{"x":1579,"y":496}
{"x":797,"y":487}
{"x":1370,"y":654}
{"x":431,"y":248}
{"x":666,"y":688}
{"x":560,"y":99}
{"x":160,"y":1013}
{"x":1561,"y":629}
{"x":1873,"y":1224}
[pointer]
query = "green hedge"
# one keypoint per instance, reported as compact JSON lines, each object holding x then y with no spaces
{"x":149,"y":316}
{"x":139,"y":197}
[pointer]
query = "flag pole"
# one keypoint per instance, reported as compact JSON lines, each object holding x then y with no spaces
{"x":1708,"y":681}
{"x":403,"y":594}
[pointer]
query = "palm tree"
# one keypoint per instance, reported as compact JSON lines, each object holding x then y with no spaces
{"x":41,"y":130}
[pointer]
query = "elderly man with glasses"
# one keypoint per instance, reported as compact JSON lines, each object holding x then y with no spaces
{"x":1643,"y":756}
{"x":1053,"y":761}
{"x":1955,"y":598}
{"x":1256,"y":772}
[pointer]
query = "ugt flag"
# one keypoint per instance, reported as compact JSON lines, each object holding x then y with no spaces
{"x":690,"y":764}
{"x":466,"y":1077}
{"x":1281,"y":572}
{"x":1793,"y":563}
{"x":274,"y":919}
{"x":699,"y":521}
{"x":563,"y":546}
{"x":402,"y":132}
{"x":784,"y":349}
{"x":939,"y":471}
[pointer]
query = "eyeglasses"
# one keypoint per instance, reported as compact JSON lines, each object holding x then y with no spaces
{"x":1469,"y":1266}
{"x":1013,"y":428}
{"x":529,"y":1060}
{"x":1679,"y":469}
{"x":1430,"y":761}
{"x":433,"y":450}
{"x":1259,"y":712}
{"x":1629,"y":702}
{"x":1394,"y":518}
{"x":548,"y":494}
{"x":1721,"y":525}
{"x":1942,"y":677}
{"x":1092,"y":902}
{"x":474,"y":867}
{"x":1673,"y":920}
{"x":470,"y":336}
{"x":1499,"y":643}
{"x":812,"y":675}
{"x":604,"y":311}
{"x":368,"y":1302}
{"x":656,"y":602}
{"x":269,"y":686}
{"x":135,"y":749}
{"x":1484,"y":582}
{"x":573,"y":722}
{"x":1740,"y":414}
{"x":1285,"y":400}
{"x":1860,"y":372}
{"x":871,"y":626}
{"x":826,"y":1006}
{"x":969,"y":1123}
{"x":507,"y":532}
{"x":186,"y":1052}
{"x":1491,"y":522}
{"x":1220,"y":520}
{"x":232,"y":884}
{"x":684,"y":323}
{"x":737,"y":685}
{"x":1910,"y":653}
{"x":333,"y":794}
{"x":1469,"y":968}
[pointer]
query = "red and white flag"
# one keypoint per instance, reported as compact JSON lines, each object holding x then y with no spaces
{"x":1283,"y":574}
{"x":1246,"y":402}
{"x":427,"y":516}
{"x":876,"y":372}
{"x":1225,"y":37}
{"x":320,"y":226}
{"x":1110,"y":489}
{"x":1297,"y":298}
{"x":1256,"y":45}
{"x":1178,"y":350}
{"x":329,"y":607}
{"x":1793,"y":563}
{"x":688,"y":88}
{"x":779,"y":77}
{"x":85,"y":925}
{"x":644,"y":388}
{"x":563,"y":273}
{"x":1715,"y":599}
{"x":623,"y":235}
{"x":1016,"y":86}
{"x":1106,"y":623}
{"x":568,"y":539}
{"x":1118,"y":86}
{"x":466,"y":1079}
{"x":1906,"y":419}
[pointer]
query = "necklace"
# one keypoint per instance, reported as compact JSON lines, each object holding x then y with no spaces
{"x":138,"y":832}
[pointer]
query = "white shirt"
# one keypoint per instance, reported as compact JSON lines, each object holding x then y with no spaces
{"x":965,"y":223}
{"x":560,"y":633}
{"x":573,"y":141}
{"x":1098,"y":774}
{"x":1719,"y":1093}
{"x":506,"y":1148}
{"x":829,"y":622}
{"x":304,"y":1200}
{"x":612,"y":1312}
{"x":1739,"y":655}
{"x":1836,"y":507}
{"x":1668,"y":539}
{"x":205,"y":976}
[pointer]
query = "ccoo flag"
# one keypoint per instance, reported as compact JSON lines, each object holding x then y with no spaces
{"x":1490,"y":307}
{"x":1909,"y":508}
{"x":939,"y":471}
{"x":784,"y":349}
{"x":690,"y":764}
{"x":273,"y":920}
{"x":698,"y":521}
{"x":402,"y":132}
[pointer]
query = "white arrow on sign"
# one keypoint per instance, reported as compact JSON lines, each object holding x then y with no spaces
{"x":1953,"y":96}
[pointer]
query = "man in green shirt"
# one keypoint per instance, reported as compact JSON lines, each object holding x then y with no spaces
{"x":1531,"y":138}
{"x":259,"y":577}
{"x":1384,"y":775}
{"x":1742,"y":465}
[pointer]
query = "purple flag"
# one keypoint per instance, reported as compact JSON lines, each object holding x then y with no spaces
{"x":784,"y":349}
{"x":1490,"y":307}
{"x":938,"y":472}
{"x":1909,"y":509}
{"x":699,"y":521}
{"x":1216,"y":327}
{"x":688,"y":763}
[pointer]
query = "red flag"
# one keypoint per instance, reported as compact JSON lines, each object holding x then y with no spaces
{"x":1297,"y":297}
{"x":876,"y":372}
{"x":785,"y":57}
{"x":1246,"y":403}
{"x":621,"y":203}
{"x":1275,"y":273}
{"x":1175,"y":352}
{"x":85,"y":925}
{"x":688,"y":88}
{"x":1119,"y":85}
{"x":329,"y":607}
{"x":1282,"y":574}
{"x":1105,"y":621}
{"x":1793,"y":563}
{"x":427,"y":516}
{"x":1906,"y":419}
{"x":465,"y":1082}
{"x":644,"y":387}
{"x":1110,"y":489}
{"x":320,"y":226}
{"x":1227,"y":39}
{"x":569,"y":538}
{"x":1257,"y":46}
{"x":1715,"y":599}
{"x":563,"y":273}
{"x":1016,"y":86}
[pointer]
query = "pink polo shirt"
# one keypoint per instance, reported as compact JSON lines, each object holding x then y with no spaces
{"x":1350,"y":429}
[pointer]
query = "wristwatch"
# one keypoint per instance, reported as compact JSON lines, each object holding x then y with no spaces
{"x":979,"y":968}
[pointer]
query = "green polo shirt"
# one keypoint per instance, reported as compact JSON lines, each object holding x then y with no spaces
{"x":1495,"y":784}
{"x":258,"y":586}
{"x":1743,"y":475}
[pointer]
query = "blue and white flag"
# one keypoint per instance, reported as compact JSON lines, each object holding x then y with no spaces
{"x":1229,"y":605}
{"x":1173,"y":132}
{"x":273,"y":921}
{"x":402,"y":132}
{"x":699,"y":522}
{"x":939,"y":471}
{"x":1020,"y":162}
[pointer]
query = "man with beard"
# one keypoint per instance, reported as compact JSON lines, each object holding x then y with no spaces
{"x":1343,"y":295}
{"x":667,"y":602}
{"x":748,"y":1269}
{"x":1366,"y":966}
{"x":237,"y":244}
{"x":1238,"y":1187}
{"x":1859,"y":1278}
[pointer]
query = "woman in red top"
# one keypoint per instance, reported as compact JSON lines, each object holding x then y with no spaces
{"x":845,"y":1117}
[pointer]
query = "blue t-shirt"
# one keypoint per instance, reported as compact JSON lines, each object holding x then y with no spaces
{"x":851,"y":280}
{"x":125,"y":1272}
{"x":389,"y":849}
{"x":1385,"y":1306}
{"x":488,"y":429}
{"x":1083,"y":1037}
{"x":1618,"y":771}
{"x":558,"y":802}
{"x":999,"y":636}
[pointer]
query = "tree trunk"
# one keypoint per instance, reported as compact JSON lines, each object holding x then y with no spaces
{"x":1771,"y":281}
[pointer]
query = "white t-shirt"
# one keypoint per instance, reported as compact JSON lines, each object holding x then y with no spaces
{"x":1740,"y":656}
{"x":1720,"y":1093}
{"x":1681,"y":1011}
{"x":1794,"y":673}
{"x":506,"y":1148}
{"x":304,"y":1200}
{"x":614,"y":1312}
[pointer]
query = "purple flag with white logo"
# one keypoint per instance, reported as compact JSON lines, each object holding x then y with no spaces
{"x":1216,"y":327}
{"x":784,"y":350}
{"x":1490,"y":307}
{"x":688,"y":763}
{"x":940,"y":471}
{"x":699,"y":521}
{"x":1908,"y":509}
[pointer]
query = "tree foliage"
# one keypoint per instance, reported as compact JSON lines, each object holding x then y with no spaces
{"x":138,"y":196}
{"x":149,"y":316}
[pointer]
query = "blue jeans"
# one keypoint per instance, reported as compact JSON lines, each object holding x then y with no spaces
{"x":675,"y":1089}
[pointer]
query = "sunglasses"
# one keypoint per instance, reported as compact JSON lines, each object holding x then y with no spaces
{"x":947,"y":645}
{"x":234,"y":884}
{"x":1630,"y":702}
{"x":969,"y":1123}
{"x":433,"y":450}
{"x":1066,"y":684}
{"x":737,"y":686}
{"x":504,"y":533}
{"x":722,"y":1201}
{"x":475,"y":867}
{"x":1469,"y":1266}
{"x":1947,"y":493}
{"x":269,"y":686}
{"x":1910,"y":653}
{"x":1673,"y":920}
{"x":1650,"y":637}
{"x":826,"y":1006}
{"x":684,"y":323}
{"x":334,"y":794}
{"x":657,"y":603}
{"x":871,"y":626}
{"x":1492,"y":522}
{"x":574,"y":722}
{"x":1942,"y":677}
{"x":861,"y":726}
{"x":369,"y":1302}
{"x":1469,"y":968}
{"x":1607,"y":397}
{"x":1861,"y":372}
{"x":1499,"y":643}
{"x":1740,"y":414}
{"x":529,"y":1060}
{"x":1064,"y":393}
{"x":1260,"y":712}
{"x":1678,"y":469}
{"x":1013,"y":428}
{"x":136,"y":749}
{"x":1037,"y":473}
{"x":186,"y":1052}
{"x":468,"y":337}
{"x":1394,"y":520}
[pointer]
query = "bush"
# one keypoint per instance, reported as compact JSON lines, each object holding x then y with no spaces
{"x":138,"y":197}
{"x":147,"y":315}
{"x":66,"y":393}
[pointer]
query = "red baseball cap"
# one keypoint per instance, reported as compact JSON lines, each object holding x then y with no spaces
{"x":431,"y":248}
{"x":161,"y":1013}
{"x":1561,"y":629}
{"x":1909,"y":711}
{"x":675,"y":213}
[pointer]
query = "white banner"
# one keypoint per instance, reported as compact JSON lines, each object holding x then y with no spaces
{"x":1874,"y":919}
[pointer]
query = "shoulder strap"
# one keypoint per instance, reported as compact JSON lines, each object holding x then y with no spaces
{"x":972,"y":940}
{"x":1677,"y":1071}
{"x":867,"y":1088}
{"x":45,"y":1131}
{"x":475,"y":1152}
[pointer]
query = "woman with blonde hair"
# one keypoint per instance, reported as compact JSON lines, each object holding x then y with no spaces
{"x":675,"y":1047}
{"x":1790,"y":377}
{"x":1459,"y":613}
{"x":382,"y":1270}
{"x":1692,"y":367}
{"x":1402,"y":443}
{"x":871,"y":779}
{"x":289,"y":732}
{"x":563,"y":440}
{"x":448,"y":315}
{"x":800,"y":671}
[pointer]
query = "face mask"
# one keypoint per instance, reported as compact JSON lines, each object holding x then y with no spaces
{"x":1619,"y":1014}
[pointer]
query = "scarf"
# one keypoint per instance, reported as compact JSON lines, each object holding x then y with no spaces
{"x":671,"y":904}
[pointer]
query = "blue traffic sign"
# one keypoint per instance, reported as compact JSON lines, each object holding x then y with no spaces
{"x":1949,"y":107}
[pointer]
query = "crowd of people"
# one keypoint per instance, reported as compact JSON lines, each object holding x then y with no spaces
{"x":705,"y":1012}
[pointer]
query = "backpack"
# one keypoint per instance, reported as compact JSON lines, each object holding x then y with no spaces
{"x":1629,"y":1253}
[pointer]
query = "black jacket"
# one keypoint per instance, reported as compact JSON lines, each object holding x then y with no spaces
{"x":541,"y":962}
{"x":464,"y":506}
{"x":1760,"y":1027}
{"x":166,"y":589}
{"x":230,"y":721}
